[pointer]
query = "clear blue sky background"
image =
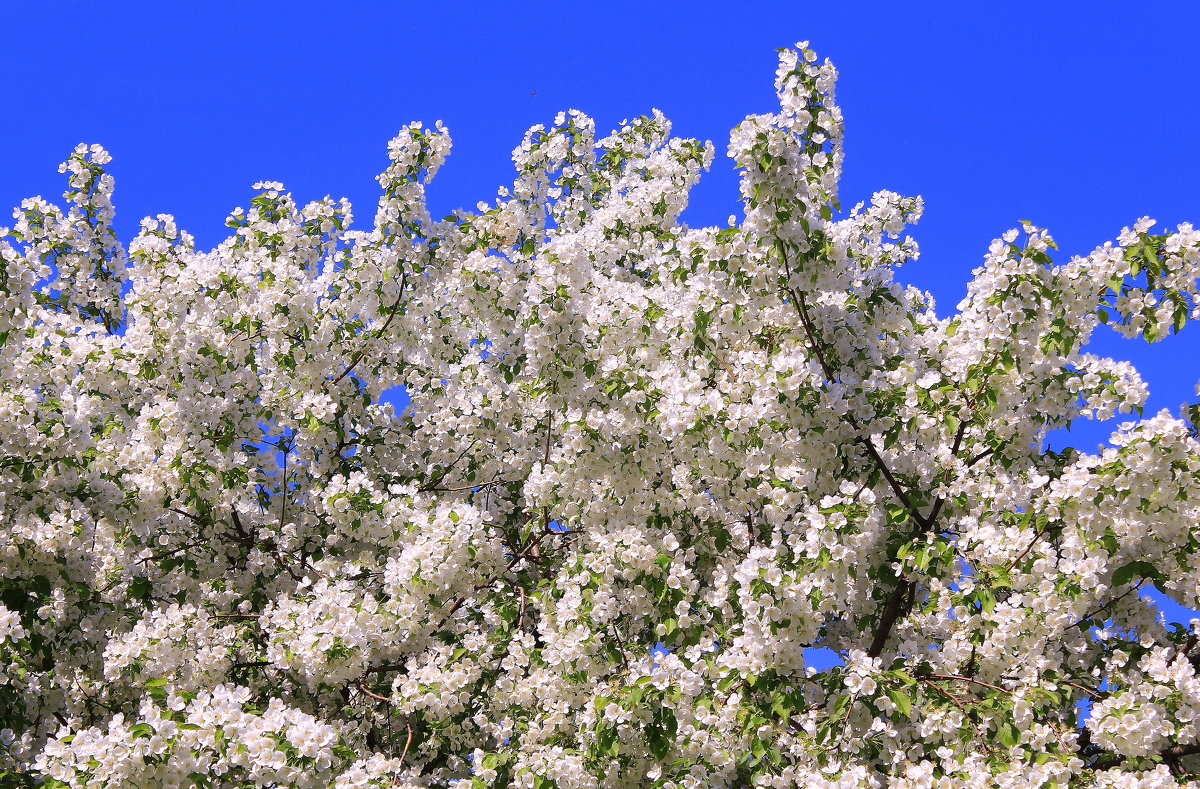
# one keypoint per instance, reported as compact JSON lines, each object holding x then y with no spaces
{"x":1077,"y":117}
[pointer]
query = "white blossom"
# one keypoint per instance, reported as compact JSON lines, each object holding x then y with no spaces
{"x":643,"y":470}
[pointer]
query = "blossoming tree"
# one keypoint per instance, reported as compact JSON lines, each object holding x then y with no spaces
{"x":645,"y":467}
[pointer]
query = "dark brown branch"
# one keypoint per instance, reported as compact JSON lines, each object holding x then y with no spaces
{"x":954,"y":448}
{"x":891,"y":611}
{"x":971,"y":680}
{"x":237,"y":524}
{"x":893,"y":483}
{"x":980,"y":456}
{"x":460,"y":488}
{"x":362,"y":688}
{"x":446,"y":472}
{"x":1180,"y":751}
{"x":1185,"y":648}
{"x":189,"y":516}
{"x":1171,"y":754}
{"x":1037,"y":536}
{"x":407,"y":742}
{"x":391,"y":316}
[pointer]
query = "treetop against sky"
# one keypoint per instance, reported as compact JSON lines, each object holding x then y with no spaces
{"x":652,"y":461}
{"x":1076,"y":122}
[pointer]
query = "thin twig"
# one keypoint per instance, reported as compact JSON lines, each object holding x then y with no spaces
{"x":446,"y":472}
{"x":1103,"y":606}
{"x":961,"y":706}
{"x":391,"y":315}
{"x":1037,"y":536}
{"x":945,"y":693}
{"x":1093,"y":692}
{"x":407,"y":742}
{"x":1185,"y":648}
{"x":473,"y":486}
{"x":363,"y":689}
{"x":971,"y":680}
{"x":717,"y":356}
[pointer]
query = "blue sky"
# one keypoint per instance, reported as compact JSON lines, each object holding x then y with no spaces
{"x":1079,"y":121}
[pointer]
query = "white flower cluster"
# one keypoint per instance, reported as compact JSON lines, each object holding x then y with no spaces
{"x":10,"y":625}
{"x":215,"y":736}
{"x":180,"y":642}
{"x":645,"y":469}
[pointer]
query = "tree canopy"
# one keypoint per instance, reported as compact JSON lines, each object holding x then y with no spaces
{"x":642,"y":471}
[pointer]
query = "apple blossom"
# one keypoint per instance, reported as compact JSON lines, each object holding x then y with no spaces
{"x":644,"y":468}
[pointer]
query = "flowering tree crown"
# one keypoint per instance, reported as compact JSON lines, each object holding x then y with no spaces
{"x":644,"y":469}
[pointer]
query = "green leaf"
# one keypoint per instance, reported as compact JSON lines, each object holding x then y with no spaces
{"x":1008,"y":735}
{"x":902,"y":701}
{"x":606,"y":741}
{"x":1136,"y":569}
{"x":139,"y":588}
{"x":657,"y":743}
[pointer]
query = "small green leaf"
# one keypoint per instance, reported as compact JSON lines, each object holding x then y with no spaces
{"x":1136,"y":569}
{"x":902,"y":701}
{"x":139,"y":588}
{"x":1008,"y":735}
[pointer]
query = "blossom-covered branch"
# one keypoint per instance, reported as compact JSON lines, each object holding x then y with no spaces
{"x":643,"y":470}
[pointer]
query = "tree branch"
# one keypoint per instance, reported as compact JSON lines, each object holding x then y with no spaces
{"x":391,"y":316}
{"x":362,"y":688}
{"x":810,"y":332}
{"x":887,"y":620}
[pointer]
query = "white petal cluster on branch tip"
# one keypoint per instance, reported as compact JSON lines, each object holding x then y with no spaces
{"x":644,"y":468}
